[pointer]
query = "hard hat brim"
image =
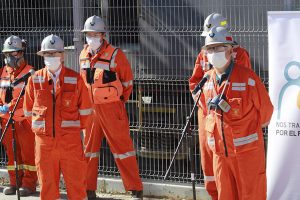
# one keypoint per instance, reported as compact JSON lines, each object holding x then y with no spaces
{"x":41,"y":53}
{"x":89,"y":30}
{"x":205,"y":47}
{"x":11,"y":50}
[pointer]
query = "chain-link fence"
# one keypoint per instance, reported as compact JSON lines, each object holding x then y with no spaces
{"x":161,"y":39}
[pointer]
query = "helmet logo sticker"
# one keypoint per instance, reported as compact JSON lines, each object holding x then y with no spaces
{"x":52,"y":42}
{"x":92,"y":23}
{"x":211,"y":35}
{"x":208,"y":25}
{"x":9,"y":43}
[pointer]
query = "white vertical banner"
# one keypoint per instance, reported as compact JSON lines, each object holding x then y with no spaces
{"x":283,"y":158}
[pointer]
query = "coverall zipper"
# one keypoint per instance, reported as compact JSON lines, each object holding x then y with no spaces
{"x":223,"y":134}
{"x":53,"y":100}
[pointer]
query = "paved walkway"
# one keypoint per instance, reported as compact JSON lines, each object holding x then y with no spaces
{"x":64,"y":196}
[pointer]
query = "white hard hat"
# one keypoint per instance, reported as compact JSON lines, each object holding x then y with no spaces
{"x":94,"y":24}
{"x":218,"y":35}
{"x":13,"y":43}
{"x":51,"y":43}
{"x":214,"y":19}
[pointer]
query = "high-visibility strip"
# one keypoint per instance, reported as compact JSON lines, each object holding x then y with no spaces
{"x":238,"y":84}
{"x":20,"y":85}
{"x":29,"y":167}
{"x":92,"y":155}
{"x":70,"y":80}
{"x":12,"y":167}
{"x":128,"y":83}
{"x":209,"y":86}
{"x":66,"y":123}
{"x":27,"y":113}
{"x":38,"y":124}
{"x":38,"y":79}
{"x":100,"y":65}
{"x":245,"y":140}
{"x":209,"y":178}
{"x":223,"y":23}
{"x":85,"y":111}
{"x":4,"y":84}
{"x":124,"y":155}
{"x":251,"y":82}
{"x":239,"y":88}
{"x":211,"y":141}
{"x":112,"y":62}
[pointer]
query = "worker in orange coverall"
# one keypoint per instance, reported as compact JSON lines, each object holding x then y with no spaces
{"x":16,"y":66}
{"x":108,"y":76}
{"x":202,"y":65}
{"x":55,"y":101}
{"x":236,"y":106}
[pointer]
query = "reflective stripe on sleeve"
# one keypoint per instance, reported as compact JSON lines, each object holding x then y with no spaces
{"x":20,"y":85}
{"x":100,"y":65}
{"x":38,"y":79}
{"x":124,"y":155}
{"x":209,"y":178}
{"x":29,"y":167}
{"x":128,"y":83}
{"x":68,"y":123}
{"x":38,"y":124}
{"x":92,"y":155}
{"x":70,"y":80}
{"x":245,"y":140}
{"x":85,"y":111}
{"x":27,"y":113}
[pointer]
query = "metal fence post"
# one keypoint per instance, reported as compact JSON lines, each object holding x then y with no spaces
{"x":78,"y":25}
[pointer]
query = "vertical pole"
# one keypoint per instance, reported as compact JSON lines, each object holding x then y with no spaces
{"x":104,"y":13}
{"x":78,"y":26}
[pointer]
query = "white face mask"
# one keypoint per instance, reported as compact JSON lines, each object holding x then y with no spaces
{"x":218,"y":60}
{"x":52,"y":63}
{"x":93,"y":42}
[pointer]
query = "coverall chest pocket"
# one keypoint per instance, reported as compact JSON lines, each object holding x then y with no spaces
{"x":39,"y":120}
{"x":106,"y":94}
{"x":236,"y":111}
{"x":69,"y":109}
{"x":42,"y":97}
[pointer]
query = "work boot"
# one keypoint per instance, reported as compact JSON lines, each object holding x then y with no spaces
{"x":9,"y":190}
{"x":91,"y":194}
{"x":137,"y":195}
{"x":24,"y":192}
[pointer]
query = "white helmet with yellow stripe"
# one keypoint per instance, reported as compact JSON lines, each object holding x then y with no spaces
{"x":214,"y":19}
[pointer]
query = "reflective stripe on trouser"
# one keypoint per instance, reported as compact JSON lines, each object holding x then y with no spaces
{"x":112,"y":118}
{"x":63,"y":155}
{"x":25,"y":155}
{"x":206,"y":159}
{"x":242,"y":176}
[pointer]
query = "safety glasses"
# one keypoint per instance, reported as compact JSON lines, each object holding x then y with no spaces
{"x":217,"y":49}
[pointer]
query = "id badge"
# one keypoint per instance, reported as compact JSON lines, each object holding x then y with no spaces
{"x":224,"y":105}
{"x":210,"y":122}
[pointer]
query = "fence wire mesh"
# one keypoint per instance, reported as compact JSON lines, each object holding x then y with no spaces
{"x":161,"y":39}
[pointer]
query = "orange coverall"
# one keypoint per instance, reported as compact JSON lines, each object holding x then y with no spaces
{"x":112,"y":87}
{"x":57,"y":118}
{"x":238,"y":133}
{"x":241,"y":57}
{"x":24,"y":135}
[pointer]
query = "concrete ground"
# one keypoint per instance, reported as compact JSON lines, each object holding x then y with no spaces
{"x":64,"y":196}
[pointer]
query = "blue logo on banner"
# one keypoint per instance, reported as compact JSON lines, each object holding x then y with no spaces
{"x":290,"y":82}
